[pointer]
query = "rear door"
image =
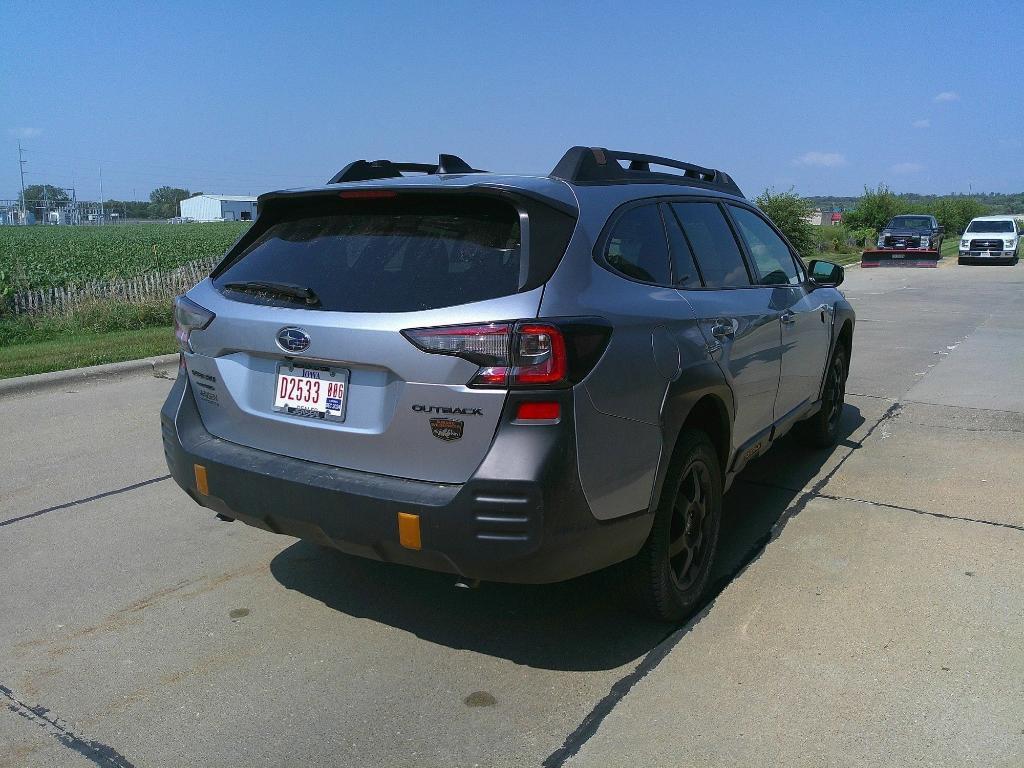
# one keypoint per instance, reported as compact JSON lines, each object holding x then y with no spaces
{"x":738,"y":318}
{"x":805,"y":322}
{"x":370,"y":268}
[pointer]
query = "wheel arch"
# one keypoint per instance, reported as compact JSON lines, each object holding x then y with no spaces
{"x":845,"y":336}
{"x":708,"y":408}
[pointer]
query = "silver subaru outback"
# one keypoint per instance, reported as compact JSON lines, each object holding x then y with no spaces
{"x":505,"y":377}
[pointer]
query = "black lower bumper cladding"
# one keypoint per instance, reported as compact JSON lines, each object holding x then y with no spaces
{"x":522,"y":517}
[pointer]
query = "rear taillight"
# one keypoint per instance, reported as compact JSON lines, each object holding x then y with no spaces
{"x":188,"y":317}
{"x":527,"y":353}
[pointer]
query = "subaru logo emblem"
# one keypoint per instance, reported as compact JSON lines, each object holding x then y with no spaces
{"x":293,"y":340}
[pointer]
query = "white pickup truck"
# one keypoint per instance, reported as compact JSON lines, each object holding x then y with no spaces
{"x":991,"y":238}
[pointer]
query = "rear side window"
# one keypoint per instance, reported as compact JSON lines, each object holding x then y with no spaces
{"x":386,"y":256}
{"x":772,"y":259}
{"x":637,"y":246}
{"x":712,"y":242}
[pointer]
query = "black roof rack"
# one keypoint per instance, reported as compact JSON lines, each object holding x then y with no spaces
{"x":365,"y":170}
{"x":596,"y":165}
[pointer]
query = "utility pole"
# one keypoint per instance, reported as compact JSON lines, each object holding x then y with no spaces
{"x":101,"y":195}
{"x":21,"y":165}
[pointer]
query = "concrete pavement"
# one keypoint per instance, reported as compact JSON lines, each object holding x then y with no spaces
{"x":869,"y":611}
{"x":881,"y":625}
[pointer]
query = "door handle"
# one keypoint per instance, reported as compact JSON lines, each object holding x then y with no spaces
{"x":788,"y":317}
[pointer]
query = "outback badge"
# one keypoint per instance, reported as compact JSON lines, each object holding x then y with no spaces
{"x":446,"y":429}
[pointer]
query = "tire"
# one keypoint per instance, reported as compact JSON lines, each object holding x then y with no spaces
{"x":667,"y":586}
{"x":822,"y":429}
{"x":961,"y":261}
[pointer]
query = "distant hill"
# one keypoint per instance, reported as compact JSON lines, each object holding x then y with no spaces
{"x":995,"y":202}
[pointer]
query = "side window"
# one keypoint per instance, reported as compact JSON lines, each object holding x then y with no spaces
{"x":684,"y":266}
{"x":637,"y":246}
{"x":771,"y":255}
{"x":713,"y":245}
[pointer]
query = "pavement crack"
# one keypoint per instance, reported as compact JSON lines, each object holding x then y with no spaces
{"x":961,"y":407}
{"x":873,"y":397}
{"x":94,"y":751}
{"x":887,"y":505}
{"x":995,"y":430}
{"x":588,"y":727}
{"x":86,"y":500}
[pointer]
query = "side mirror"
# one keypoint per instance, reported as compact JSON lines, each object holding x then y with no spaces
{"x":825,"y":273}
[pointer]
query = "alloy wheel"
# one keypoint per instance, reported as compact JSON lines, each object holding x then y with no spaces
{"x":689,"y":534}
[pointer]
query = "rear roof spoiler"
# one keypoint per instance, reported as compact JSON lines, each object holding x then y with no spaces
{"x":367,"y":170}
{"x":596,"y":165}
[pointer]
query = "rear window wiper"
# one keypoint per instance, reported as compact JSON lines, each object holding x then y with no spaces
{"x":291,"y":290}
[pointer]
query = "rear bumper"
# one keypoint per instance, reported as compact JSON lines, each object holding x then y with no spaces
{"x":522,"y":517}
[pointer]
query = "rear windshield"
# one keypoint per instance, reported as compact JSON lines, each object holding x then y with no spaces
{"x":384,"y":255}
{"x":911,"y":222}
{"x":991,"y":226}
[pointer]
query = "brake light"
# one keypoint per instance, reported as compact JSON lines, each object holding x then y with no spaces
{"x":188,"y":317}
{"x":527,"y":353}
{"x":541,"y":357}
{"x":366,"y":194}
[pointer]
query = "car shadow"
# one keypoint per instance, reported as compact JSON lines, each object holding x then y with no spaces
{"x":580,"y":625}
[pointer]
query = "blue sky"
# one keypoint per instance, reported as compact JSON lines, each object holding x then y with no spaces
{"x":244,"y":97}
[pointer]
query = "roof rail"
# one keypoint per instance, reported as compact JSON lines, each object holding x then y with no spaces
{"x":596,"y":165}
{"x":365,"y":170}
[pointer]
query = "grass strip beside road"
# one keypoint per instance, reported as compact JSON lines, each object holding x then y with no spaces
{"x":76,"y":351}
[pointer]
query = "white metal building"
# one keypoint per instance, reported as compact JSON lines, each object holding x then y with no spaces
{"x":219,"y":208}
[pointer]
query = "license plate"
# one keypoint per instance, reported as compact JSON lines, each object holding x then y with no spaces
{"x":313,"y":391}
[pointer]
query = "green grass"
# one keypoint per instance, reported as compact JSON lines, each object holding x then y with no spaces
{"x":93,"y":318}
{"x":951,"y":246}
{"x":100,"y":332}
{"x":77,"y":350}
{"x":845,"y":259}
{"x":44,"y":257}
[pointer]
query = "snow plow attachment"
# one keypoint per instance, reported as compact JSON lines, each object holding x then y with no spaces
{"x":910,"y":257}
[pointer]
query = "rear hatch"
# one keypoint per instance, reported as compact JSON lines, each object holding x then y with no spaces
{"x":305,"y":356}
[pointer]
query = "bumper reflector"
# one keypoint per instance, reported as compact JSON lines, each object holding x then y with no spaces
{"x":201,"y":484}
{"x":538,"y":411}
{"x":409,"y":530}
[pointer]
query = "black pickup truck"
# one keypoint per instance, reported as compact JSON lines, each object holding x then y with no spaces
{"x":913,"y":240}
{"x":911,"y":232}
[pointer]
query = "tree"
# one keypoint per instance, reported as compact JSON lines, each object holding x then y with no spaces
{"x":164,"y":201}
{"x":955,"y":213}
{"x":790,"y":212}
{"x":874,"y":209}
{"x":35,"y":192}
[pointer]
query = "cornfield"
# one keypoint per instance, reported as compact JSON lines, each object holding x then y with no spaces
{"x":34,"y":258}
